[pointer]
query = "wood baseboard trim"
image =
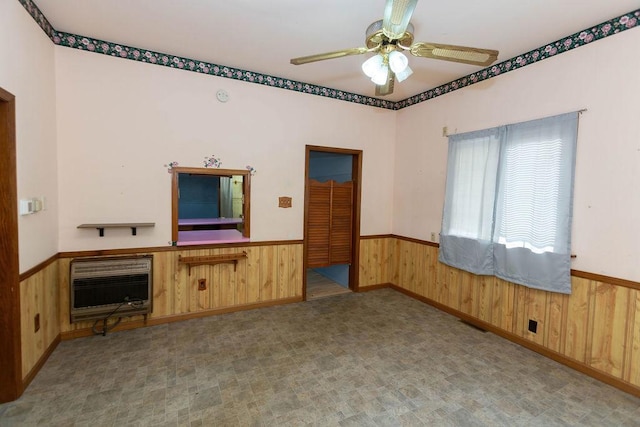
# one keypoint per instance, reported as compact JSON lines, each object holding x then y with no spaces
{"x":45,"y":356}
{"x":374,"y":287}
{"x":571,"y":363}
{"x":135,"y":324}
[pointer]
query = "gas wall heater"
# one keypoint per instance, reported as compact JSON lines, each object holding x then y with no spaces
{"x":103,"y":285}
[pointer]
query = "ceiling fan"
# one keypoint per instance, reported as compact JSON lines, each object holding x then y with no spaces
{"x":390,"y":36}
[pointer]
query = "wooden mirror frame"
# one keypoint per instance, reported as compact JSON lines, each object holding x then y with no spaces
{"x":246,"y":191}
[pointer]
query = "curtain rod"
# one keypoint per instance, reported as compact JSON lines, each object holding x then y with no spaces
{"x":445,"y":130}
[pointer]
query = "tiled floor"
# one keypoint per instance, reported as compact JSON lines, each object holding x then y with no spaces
{"x":377,"y":358}
{"x":319,"y":286}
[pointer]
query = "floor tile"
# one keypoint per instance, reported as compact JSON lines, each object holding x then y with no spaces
{"x":378,"y":358}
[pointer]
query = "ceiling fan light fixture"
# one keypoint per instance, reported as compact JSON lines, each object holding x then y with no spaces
{"x":398,"y":62}
{"x":373,"y":65}
{"x":381,"y":76}
{"x":402,"y":75}
{"x":389,"y":37}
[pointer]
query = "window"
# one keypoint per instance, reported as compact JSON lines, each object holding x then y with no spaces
{"x":210,"y":206}
{"x":508,"y":202}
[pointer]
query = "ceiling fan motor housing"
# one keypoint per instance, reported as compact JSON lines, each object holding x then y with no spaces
{"x":375,"y":37}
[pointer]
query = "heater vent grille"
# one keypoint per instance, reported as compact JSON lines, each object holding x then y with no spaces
{"x":102,"y":286}
{"x":102,"y":268}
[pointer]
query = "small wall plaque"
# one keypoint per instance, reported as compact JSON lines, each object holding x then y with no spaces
{"x":284,"y":202}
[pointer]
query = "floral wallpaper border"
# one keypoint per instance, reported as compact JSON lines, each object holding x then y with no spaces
{"x":581,"y":38}
{"x":39,"y":17}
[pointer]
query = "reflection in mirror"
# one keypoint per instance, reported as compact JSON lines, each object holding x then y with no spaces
{"x":210,"y":206}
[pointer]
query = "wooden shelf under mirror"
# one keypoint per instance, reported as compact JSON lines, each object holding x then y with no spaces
{"x":194,"y":261}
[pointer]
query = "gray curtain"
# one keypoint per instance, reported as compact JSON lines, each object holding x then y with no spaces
{"x":508,"y":202}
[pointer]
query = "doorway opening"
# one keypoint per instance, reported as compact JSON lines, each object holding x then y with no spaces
{"x":332,"y":221}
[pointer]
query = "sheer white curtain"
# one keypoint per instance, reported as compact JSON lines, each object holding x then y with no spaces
{"x":467,"y":225}
{"x":517,"y":182}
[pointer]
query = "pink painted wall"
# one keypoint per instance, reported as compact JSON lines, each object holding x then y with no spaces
{"x":602,"y":77}
{"x":120,"y":121}
{"x":26,"y":70}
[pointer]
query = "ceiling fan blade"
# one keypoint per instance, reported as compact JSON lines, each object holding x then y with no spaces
{"x":387,"y":88}
{"x":329,"y":55}
{"x":397,"y":14}
{"x":466,"y":55}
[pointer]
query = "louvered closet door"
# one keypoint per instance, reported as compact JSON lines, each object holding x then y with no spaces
{"x":340,"y":229}
{"x":318,"y":223}
{"x":329,"y":223}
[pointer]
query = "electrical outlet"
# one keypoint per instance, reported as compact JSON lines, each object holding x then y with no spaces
{"x":433,"y":236}
{"x":533,"y":326}
{"x":202,"y":284}
{"x":36,"y":323}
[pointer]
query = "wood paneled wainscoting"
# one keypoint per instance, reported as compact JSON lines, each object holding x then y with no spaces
{"x":270,"y":274}
{"x":595,"y":330}
{"x":39,"y":324}
{"x":377,"y":262}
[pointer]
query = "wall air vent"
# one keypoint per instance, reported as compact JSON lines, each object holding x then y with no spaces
{"x":116,"y":286}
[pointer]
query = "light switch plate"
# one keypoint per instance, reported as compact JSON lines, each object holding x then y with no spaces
{"x":26,"y":207}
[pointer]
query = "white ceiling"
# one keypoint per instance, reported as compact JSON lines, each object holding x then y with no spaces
{"x":262,"y":36}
